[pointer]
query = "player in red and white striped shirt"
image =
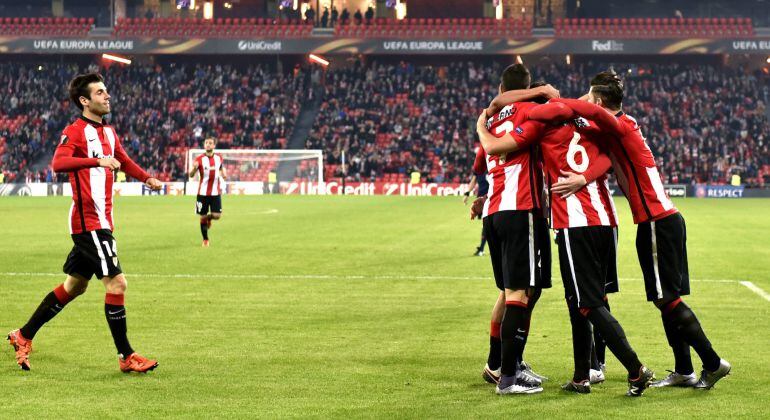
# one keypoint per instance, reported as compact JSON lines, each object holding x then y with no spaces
{"x":661,"y":234}
{"x":211,"y":172}
{"x":517,"y":234}
{"x":585,"y":224}
{"x":91,"y":153}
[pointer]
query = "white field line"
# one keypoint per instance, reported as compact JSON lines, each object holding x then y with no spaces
{"x":327,"y":277}
{"x":756,"y":289}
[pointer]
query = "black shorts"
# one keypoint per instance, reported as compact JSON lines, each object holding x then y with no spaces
{"x":662,"y":249}
{"x":587,"y":261}
{"x":612,"y":285}
{"x":519,"y":248}
{"x":94,"y":252}
{"x":204,"y":203}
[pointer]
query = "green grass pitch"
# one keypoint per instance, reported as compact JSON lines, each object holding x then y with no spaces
{"x":357,"y":307}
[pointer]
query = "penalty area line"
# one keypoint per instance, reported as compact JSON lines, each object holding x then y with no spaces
{"x":756,"y":289}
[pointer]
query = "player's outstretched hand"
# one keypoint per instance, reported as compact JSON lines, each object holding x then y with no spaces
{"x":569,"y":183}
{"x":153,"y":184}
{"x":477,"y":207}
{"x":111,"y":163}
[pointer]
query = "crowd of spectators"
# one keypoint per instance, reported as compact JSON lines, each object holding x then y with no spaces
{"x":330,"y":18}
{"x":704,"y":123}
{"x":401,"y":118}
{"x":160,"y":110}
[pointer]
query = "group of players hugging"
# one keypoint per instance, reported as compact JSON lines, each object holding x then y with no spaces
{"x":547,"y":157}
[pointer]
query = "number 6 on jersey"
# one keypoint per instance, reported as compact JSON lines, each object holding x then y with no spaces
{"x":575,"y":148}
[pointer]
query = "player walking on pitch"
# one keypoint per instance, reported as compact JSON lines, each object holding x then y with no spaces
{"x":211,"y":172}
{"x":90,"y":151}
{"x":661,"y":234}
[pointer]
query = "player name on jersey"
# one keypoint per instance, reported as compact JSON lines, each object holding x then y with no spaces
{"x":515,"y":179}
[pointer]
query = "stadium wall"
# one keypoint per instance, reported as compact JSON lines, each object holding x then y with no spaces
{"x":43,"y":189}
{"x":143,"y":46}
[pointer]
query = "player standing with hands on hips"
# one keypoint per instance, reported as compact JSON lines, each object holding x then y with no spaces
{"x":90,"y":151}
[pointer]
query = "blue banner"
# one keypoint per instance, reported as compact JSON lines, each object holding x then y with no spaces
{"x":718,"y":191}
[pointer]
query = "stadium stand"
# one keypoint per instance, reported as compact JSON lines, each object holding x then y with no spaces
{"x":461,"y":28}
{"x":438,"y":27}
{"x":703,"y":122}
{"x":653,"y":27}
{"x":46,"y":26}
{"x":395,"y":119}
{"x":160,"y":111}
{"x":207,"y":28}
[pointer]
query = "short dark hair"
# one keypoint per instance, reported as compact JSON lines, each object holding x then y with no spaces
{"x":608,"y":86}
{"x":535,"y":84}
{"x":515,"y":76}
{"x":79,"y":87}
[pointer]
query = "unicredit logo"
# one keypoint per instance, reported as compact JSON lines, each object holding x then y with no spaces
{"x":259,"y":45}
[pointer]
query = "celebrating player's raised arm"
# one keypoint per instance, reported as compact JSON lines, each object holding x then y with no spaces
{"x":551,"y":112}
{"x":520,"y":95}
{"x":525,"y":134}
{"x":606,"y":121}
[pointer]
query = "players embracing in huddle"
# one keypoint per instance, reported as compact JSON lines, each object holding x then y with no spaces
{"x":578,"y":141}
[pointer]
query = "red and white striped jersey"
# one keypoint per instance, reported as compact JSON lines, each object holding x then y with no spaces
{"x":635,"y":168}
{"x":208,"y":171}
{"x":82,"y":144}
{"x":637,"y":174}
{"x":564,"y":149}
{"x":515,"y":180}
